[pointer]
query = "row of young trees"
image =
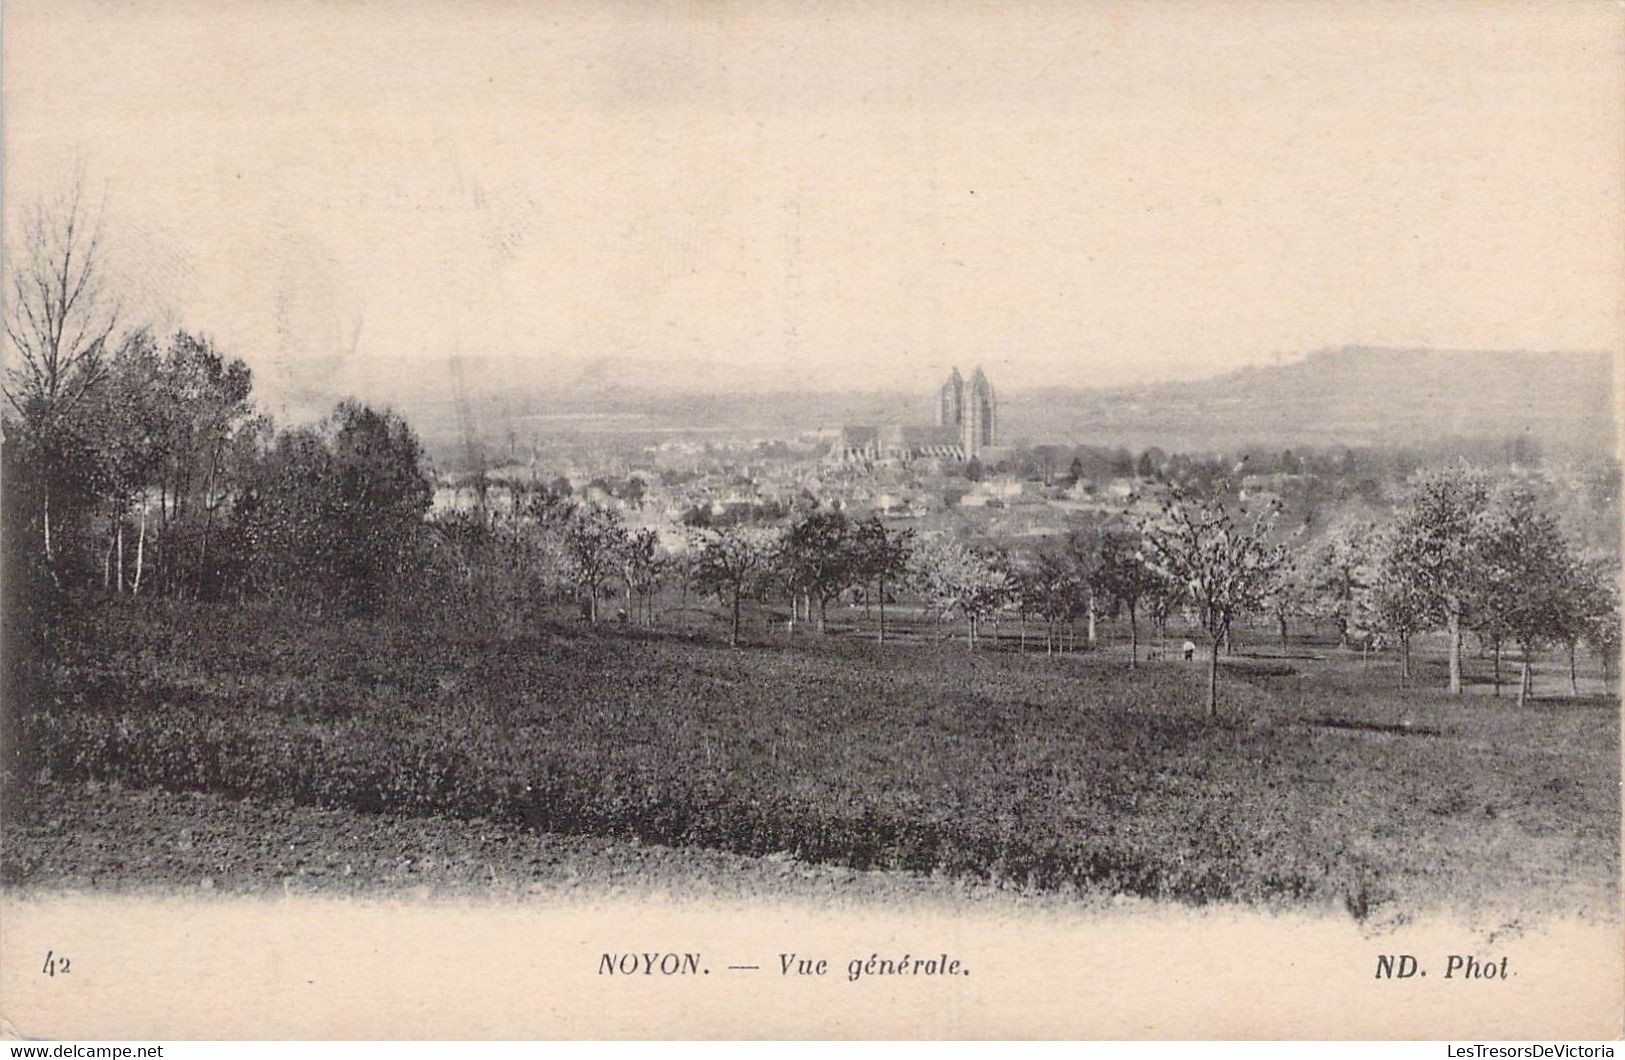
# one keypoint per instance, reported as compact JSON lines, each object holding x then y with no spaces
{"x":1464,"y":553}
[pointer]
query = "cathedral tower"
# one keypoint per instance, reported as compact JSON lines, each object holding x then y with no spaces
{"x":951,"y":411}
{"x":981,"y":416}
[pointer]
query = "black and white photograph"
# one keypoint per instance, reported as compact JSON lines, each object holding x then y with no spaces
{"x":715,"y":519}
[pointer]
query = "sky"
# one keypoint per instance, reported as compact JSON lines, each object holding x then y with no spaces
{"x":728,"y":194}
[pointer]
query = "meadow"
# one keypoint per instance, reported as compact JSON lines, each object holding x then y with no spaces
{"x":1320,"y":784}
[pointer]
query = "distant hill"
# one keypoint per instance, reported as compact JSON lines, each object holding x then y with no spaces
{"x":1347,"y":396}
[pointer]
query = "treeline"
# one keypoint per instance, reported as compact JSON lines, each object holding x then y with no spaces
{"x":1062,"y":464}
{"x":159,"y":477}
{"x":139,"y":464}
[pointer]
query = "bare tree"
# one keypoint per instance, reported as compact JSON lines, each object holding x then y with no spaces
{"x":59,"y":320}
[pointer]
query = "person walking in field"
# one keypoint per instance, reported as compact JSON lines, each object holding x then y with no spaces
{"x":1188,"y":650}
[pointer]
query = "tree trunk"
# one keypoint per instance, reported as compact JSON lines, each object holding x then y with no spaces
{"x":1497,"y":666}
{"x":121,"y":556}
{"x":48,"y":524}
{"x":1281,"y":619}
{"x":1022,"y":619}
{"x":208,"y":520}
{"x":1574,"y":676}
{"x":1405,"y":660}
{"x":1090,"y":635}
{"x":1213,"y":677}
{"x":1524,"y":681}
{"x":970,"y":633}
{"x":733,"y":634}
{"x":822,"y":613}
{"x":140,"y":548}
{"x":1133,"y":639}
{"x":1453,"y":623}
{"x":881,"y":603}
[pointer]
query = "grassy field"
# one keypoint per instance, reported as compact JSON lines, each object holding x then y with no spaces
{"x":1320,"y":785}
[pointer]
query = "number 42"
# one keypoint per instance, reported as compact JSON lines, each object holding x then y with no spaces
{"x":54,"y":964}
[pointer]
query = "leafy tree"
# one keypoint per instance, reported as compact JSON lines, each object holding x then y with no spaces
{"x":594,"y":540}
{"x":881,"y":559}
{"x":1225,"y":566}
{"x":1025,"y":595}
{"x":1603,"y":627}
{"x":131,"y":422}
{"x":1336,"y":574}
{"x":1526,"y":564}
{"x":818,"y":558}
{"x":728,"y":561}
{"x":337,"y":512}
{"x":1057,"y":589}
{"x":1122,"y":576}
{"x":1590,"y":592}
{"x":1436,"y":548}
{"x":204,"y":405}
{"x":640,"y":566}
{"x":1291,"y":594}
{"x":955,"y":577}
{"x":1396,"y":604}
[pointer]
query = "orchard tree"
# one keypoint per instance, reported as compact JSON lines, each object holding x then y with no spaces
{"x":955,"y":577}
{"x":880,"y":560}
{"x":1526,"y":563}
{"x":1083,"y":552}
{"x":1056,"y":584}
{"x":1291,"y":594}
{"x":818,"y":558}
{"x":1336,"y":572}
{"x":728,"y":561}
{"x":1589,"y":601}
{"x":1396,"y":604}
{"x":1603,"y":628}
{"x":594,"y":540}
{"x":1026,"y":592}
{"x":1437,"y":548}
{"x":639,"y":563}
{"x":1225,"y":566}
{"x":1122,"y":576}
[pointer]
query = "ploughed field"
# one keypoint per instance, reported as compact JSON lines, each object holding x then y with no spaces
{"x":1320,"y":784}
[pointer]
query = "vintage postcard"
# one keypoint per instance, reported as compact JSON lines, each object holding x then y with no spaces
{"x":719,"y":519}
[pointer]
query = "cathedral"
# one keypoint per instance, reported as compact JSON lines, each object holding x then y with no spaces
{"x":967,"y":425}
{"x":971,"y":412}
